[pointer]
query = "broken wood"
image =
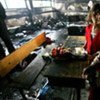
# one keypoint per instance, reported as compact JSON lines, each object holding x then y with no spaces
{"x":10,"y":61}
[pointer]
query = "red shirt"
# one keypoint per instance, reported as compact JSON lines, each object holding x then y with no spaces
{"x":92,"y":44}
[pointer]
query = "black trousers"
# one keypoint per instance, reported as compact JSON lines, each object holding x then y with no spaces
{"x":2,"y":52}
{"x":4,"y":35}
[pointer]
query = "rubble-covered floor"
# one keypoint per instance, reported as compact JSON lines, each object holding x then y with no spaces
{"x":50,"y":93}
{"x":47,"y":92}
{"x":53,"y":94}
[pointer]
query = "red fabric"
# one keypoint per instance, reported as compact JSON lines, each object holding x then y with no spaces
{"x":48,"y":40}
{"x":92,"y":45}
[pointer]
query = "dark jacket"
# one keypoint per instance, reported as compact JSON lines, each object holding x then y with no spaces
{"x":2,"y":12}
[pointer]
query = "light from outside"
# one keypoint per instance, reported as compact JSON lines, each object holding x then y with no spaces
{"x":21,"y":3}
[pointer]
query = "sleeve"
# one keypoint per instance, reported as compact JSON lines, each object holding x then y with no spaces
{"x":96,"y":60}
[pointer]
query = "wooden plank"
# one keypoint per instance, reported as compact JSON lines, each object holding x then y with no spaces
{"x":68,"y":69}
{"x":75,"y":41}
{"x":65,"y":73}
{"x":26,"y":78}
{"x":9,"y":62}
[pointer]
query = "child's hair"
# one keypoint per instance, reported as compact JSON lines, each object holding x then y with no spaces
{"x":96,"y":8}
{"x":93,"y":11}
